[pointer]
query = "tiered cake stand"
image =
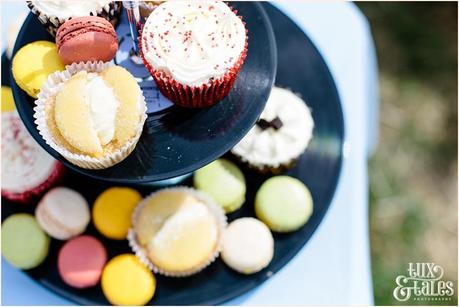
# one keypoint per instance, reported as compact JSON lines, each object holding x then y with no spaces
{"x":177,"y":141}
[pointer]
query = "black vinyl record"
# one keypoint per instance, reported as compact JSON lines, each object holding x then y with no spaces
{"x":301,"y":69}
{"x":176,"y":140}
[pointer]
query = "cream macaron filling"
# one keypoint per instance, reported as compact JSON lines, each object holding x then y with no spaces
{"x":193,"y":41}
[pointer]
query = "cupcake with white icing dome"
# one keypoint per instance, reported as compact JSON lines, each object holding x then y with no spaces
{"x":53,"y":13}
{"x":194,"y":50}
{"x":280,"y":136}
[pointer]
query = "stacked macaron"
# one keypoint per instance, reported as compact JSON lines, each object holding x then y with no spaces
{"x":84,"y":39}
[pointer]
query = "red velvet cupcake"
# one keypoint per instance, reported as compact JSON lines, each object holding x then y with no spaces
{"x":27,"y":170}
{"x":194,"y":50}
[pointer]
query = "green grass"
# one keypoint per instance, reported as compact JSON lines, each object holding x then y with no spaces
{"x":413,"y":174}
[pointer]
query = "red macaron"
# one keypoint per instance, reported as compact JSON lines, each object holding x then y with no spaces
{"x":81,"y":261}
{"x":88,"y":38}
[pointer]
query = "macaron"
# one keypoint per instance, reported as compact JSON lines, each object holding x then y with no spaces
{"x":283,"y":203}
{"x":224,"y":182}
{"x":247,"y":245}
{"x":7,"y":99}
{"x":112,"y":211}
{"x":81,"y":260}
{"x":87,"y":38}
{"x":32,"y":65}
{"x":63,"y":213}
{"x":126,"y":281}
{"x":24,"y":244}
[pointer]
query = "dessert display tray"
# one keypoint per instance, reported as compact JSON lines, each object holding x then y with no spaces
{"x":176,"y":141}
{"x":301,"y":69}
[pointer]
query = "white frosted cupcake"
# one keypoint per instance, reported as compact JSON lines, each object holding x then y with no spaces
{"x":27,"y":170}
{"x":177,"y":231}
{"x":91,"y":113}
{"x":194,"y":50}
{"x":53,"y":13}
{"x":280,"y":136}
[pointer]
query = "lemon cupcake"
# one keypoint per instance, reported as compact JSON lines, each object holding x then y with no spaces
{"x":92,"y":114}
{"x":177,"y":231}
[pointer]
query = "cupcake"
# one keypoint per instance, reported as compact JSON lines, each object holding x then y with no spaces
{"x":146,"y":7}
{"x":27,"y":170}
{"x":92,"y":114}
{"x":194,"y":50}
{"x":53,"y":13}
{"x":177,"y":231}
{"x":280,"y":136}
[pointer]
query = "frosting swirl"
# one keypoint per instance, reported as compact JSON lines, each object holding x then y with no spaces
{"x":193,"y":41}
{"x":64,"y":9}
{"x":278,"y":144}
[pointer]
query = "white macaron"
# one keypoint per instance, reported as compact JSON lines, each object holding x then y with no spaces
{"x":247,"y":245}
{"x":63,"y":213}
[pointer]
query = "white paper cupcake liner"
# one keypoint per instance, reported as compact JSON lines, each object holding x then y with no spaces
{"x":140,"y":251}
{"x":49,"y":90}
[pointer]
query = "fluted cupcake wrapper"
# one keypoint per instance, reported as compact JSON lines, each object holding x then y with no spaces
{"x":49,"y":90}
{"x":201,"y":96}
{"x":140,"y":251}
{"x":34,"y":194}
{"x":111,"y":11}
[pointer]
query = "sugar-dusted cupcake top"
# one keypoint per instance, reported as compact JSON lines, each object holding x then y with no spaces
{"x":25,"y":165}
{"x":64,"y":9}
{"x":193,"y":41}
{"x":282,"y":133}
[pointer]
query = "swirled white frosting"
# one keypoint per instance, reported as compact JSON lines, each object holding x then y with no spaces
{"x":193,"y":41}
{"x":64,"y":9}
{"x":271,"y":147}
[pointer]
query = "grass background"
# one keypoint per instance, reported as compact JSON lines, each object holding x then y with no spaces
{"x":413,"y":174}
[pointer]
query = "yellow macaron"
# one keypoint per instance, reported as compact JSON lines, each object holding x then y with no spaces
{"x":112,"y":211}
{"x":126,"y":281}
{"x":32,"y":65}
{"x":7,"y":99}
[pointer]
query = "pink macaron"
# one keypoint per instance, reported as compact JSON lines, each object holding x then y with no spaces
{"x":88,"y":38}
{"x":81,"y":261}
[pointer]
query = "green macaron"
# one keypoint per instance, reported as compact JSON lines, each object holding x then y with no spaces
{"x":224,"y":182}
{"x":24,"y":244}
{"x":283,"y":203}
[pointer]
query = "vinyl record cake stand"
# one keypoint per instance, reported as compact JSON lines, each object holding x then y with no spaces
{"x":176,"y":141}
